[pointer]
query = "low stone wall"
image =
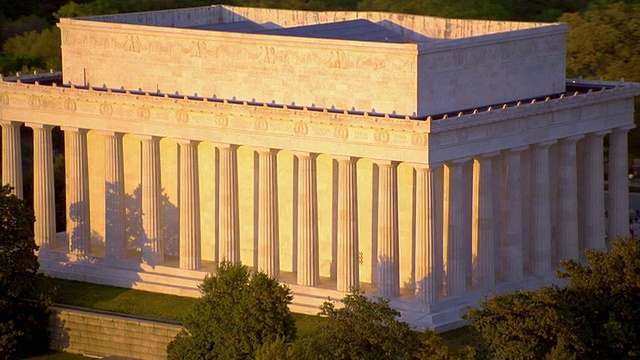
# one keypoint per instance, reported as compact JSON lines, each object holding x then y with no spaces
{"x":102,"y":334}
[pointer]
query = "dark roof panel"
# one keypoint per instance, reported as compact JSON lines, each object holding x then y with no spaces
{"x":358,"y":30}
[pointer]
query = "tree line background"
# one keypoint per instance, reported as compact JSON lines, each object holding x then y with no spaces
{"x":604,"y":40}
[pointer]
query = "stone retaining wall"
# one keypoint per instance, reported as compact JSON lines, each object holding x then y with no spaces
{"x":101,"y":334}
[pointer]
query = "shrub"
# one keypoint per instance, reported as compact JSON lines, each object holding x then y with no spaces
{"x":240,"y":311}
{"x":595,"y":316}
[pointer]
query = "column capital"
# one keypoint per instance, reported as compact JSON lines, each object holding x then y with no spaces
{"x":39,"y":126}
{"x":225,"y":146}
{"x":624,"y":128}
{"x":10,"y":122}
{"x":266,"y":150}
{"x":187,"y":142}
{"x":518,"y":149}
{"x":345,"y":158}
{"x":599,"y":133}
{"x":304,"y":154}
{"x":74,"y":129}
{"x":149,"y":138}
{"x":385,"y":163}
{"x":422,"y":166}
{"x":458,"y":161}
{"x":574,"y":138}
{"x":544,"y":144}
{"x":110,"y":133}
{"x":487,"y":155}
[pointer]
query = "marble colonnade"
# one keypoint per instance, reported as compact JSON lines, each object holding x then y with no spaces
{"x":496,"y":248}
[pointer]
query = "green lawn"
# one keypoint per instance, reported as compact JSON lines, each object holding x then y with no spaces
{"x":128,"y":301}
{"x":176,"y":308}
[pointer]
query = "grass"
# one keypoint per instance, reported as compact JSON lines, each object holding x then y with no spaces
{"x":128,"y":301}
{"x":176,"y":308}
{"x":137,"y":302}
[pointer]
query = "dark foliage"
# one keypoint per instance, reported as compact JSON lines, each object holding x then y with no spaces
{"x":240,"y":310}
{"x":24,"y":293}
{"x":595,"y":316}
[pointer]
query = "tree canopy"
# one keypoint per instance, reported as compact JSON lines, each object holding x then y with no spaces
{"x":595,"y":316}
{"x":239,"y":311}
{"x":24,"y":293}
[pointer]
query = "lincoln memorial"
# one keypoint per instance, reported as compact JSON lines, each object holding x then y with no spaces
{"x":425,"y":160}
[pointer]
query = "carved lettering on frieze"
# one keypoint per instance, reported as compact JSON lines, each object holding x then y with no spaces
{"x":144,"y":113}
{"x":55,"y":104}
{"x":361,"y":135}
{"x":381,"y":136}
{"x":281,"y":126}
{"x":35,"y":102}
{"x":69,"y":105}
{"x":261,"y":125}
{"x":106,"y":109}
{"x":461,"y":135}
{"x":491,"y":130}
{"x":182,"y":117}
{"x":322,"y":131}
{"x":419,"y":140}
{"x":221,"y":120}
{"x":400,"y":137}
{"x":4,"y":99}
{"x":341,"y":132}
{"x":300,"y":129}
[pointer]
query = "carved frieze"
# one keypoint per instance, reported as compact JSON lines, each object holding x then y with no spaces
{"x":75,"y":105}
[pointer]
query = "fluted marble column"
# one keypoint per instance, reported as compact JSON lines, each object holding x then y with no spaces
{"x":541,"y":210}
{"x":115,"y":237}
{"x":593,"y":193}
{"x":307,"y":225}
{"x":268,"y":242}
{"x":348,"y":266}
{"x":388,"y":241}
{"x":77,"y":191}
{"x":567,"y":247}
{"x":228,"y":211}
{"x":453,"y":226}
{"x":43,"y":187}
{"x":190,"y":242}
{"x":511,"y":247}
{"x":426,"y":255}
{"x":153,"y":240}
{"x":618,"y":183}
{"x":482,"y":233}
{"x":12,"y":156}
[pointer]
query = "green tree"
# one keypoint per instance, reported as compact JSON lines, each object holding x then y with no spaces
{"x":24,"y":293}
{"x":604,"y":42}
{"x":366,"y":329}
{"x":33,"y":51}
{"x":595,"y":316}
{"x":240,"y":310}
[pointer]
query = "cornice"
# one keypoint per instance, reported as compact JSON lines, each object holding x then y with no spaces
{"x":215,"y":120}
{"x":534,"y":107}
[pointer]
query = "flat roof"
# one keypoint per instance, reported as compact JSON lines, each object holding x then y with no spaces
{"x":358,"y":30}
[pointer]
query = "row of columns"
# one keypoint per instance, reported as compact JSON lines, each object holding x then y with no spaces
{"x":433,"y":268}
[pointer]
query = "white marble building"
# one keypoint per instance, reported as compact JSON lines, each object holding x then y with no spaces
{"x":424,"y":160}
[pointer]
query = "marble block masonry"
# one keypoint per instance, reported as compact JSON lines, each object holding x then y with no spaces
{"x":425,"y":160}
